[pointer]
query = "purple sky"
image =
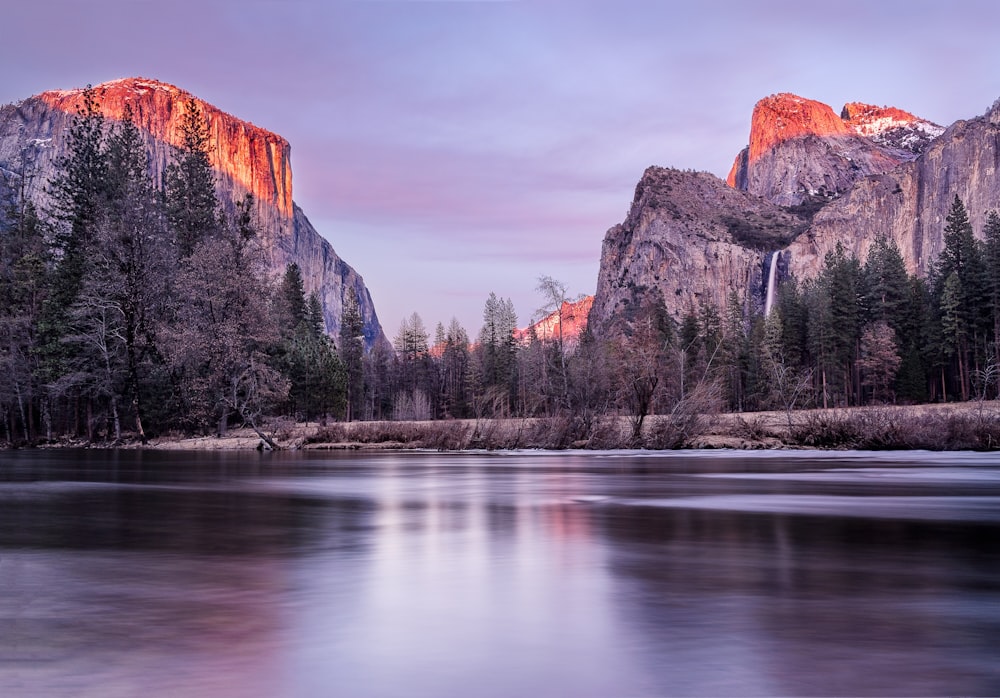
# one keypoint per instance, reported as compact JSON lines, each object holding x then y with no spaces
{"x":449,"y":148}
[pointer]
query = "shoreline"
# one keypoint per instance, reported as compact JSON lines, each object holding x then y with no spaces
{"x":935,"y":427}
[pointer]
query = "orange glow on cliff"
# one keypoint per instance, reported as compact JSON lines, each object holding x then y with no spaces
{"x":252,"y":156}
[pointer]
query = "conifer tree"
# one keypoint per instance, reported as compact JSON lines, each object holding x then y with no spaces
{"x":497,"y":353}
{"x":352,"y":350}
{"x":24,"y":258}
{"x":189,"y":184}
{"x":963,"y":302}
{"x":991,"y":233}
{"x":886,"y":283}
{"x":455,"y":371}
{"x":293,"y":293}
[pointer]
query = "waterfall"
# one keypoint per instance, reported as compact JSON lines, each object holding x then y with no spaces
{"x":771,"y":279}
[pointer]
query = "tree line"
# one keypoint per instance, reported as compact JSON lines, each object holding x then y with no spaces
{"x":856,"y":334}
{"x":136,"y":308}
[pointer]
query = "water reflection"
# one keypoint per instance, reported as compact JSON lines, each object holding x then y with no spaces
{"x":493,"y":575}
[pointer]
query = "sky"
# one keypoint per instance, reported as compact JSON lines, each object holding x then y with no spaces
{"x":453,"y":148}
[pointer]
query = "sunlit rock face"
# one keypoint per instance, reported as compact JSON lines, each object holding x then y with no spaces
{"x":255,"y":158}
{"x":247,"y":159}
{"x":890,"y":126}
{"x":801,"y":150}
{"x":572,"y":316}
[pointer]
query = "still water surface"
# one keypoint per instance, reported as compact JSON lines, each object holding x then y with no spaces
{"x":518,"y":574}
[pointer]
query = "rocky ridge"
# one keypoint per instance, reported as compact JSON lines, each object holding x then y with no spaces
{"x":688,"y":238}
{"x":909,"y":203}
{"x":247,"y":159}
{"x":801,"y":150}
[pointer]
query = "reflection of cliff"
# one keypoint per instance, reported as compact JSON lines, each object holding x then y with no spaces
{"x":247,"y":159}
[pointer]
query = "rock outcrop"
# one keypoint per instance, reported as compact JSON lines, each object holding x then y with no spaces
{"x":688,"y":238}
{"x":801,"y":150}
{"x":247,"y":159}
{"x":909,"y":203}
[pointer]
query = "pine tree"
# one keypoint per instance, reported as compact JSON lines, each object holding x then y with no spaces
{"x":966,"y":321}
{"x":293,"y":293}
{"x":455,"y":371}
{"x":954,"y":330}
{"x":352,"y":350}
{"x":886,"y":283}
{"x":991,"y":233}
{"x":189,"y":184}
{"x":497,"y":354}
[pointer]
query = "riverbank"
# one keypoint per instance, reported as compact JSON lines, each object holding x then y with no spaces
{"x":960,"y":426}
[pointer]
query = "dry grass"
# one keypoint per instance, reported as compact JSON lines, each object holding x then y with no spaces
{"x":966,"y":426}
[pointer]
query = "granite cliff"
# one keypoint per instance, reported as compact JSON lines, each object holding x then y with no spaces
{"x":909,"y":203}
{"x":246,"y":158}
{"x":800,"y":150}
{"x":688,"y":238}
{"x":809,"y":179}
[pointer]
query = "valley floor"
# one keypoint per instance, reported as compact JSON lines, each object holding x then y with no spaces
{"x":956,"y":426}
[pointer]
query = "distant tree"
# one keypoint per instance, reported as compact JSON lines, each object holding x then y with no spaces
{"x":555,"y":301}
{"x":955,"y":329}
{"x":963,"y":302}
{"x":77,"y":192}
{"x":991,"y":233}
{"x":496,"y":356}
{"x":640,"y":355}
{"x":417,"y":380}
{"x":455,"y":371}
{"x":411,"y":340}
{"x":886,"y":284}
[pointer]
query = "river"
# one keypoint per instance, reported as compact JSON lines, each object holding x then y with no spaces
{"x":129,"y":573}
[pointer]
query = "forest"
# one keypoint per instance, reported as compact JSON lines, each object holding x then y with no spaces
{"x":136,"y":307}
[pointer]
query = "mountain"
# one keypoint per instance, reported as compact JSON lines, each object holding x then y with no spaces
{"x":246,"y":158}
{"x":808,"y":180}
{"x":909,"y":203}
{"x":800,"y":150}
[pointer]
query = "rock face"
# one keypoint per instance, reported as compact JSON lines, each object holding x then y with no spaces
{"x":247,"y":159}
{"x":574,"y":321}
{"x":688,"y":238}
{"x":910,"y":202}
{"x":800,"y":149}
